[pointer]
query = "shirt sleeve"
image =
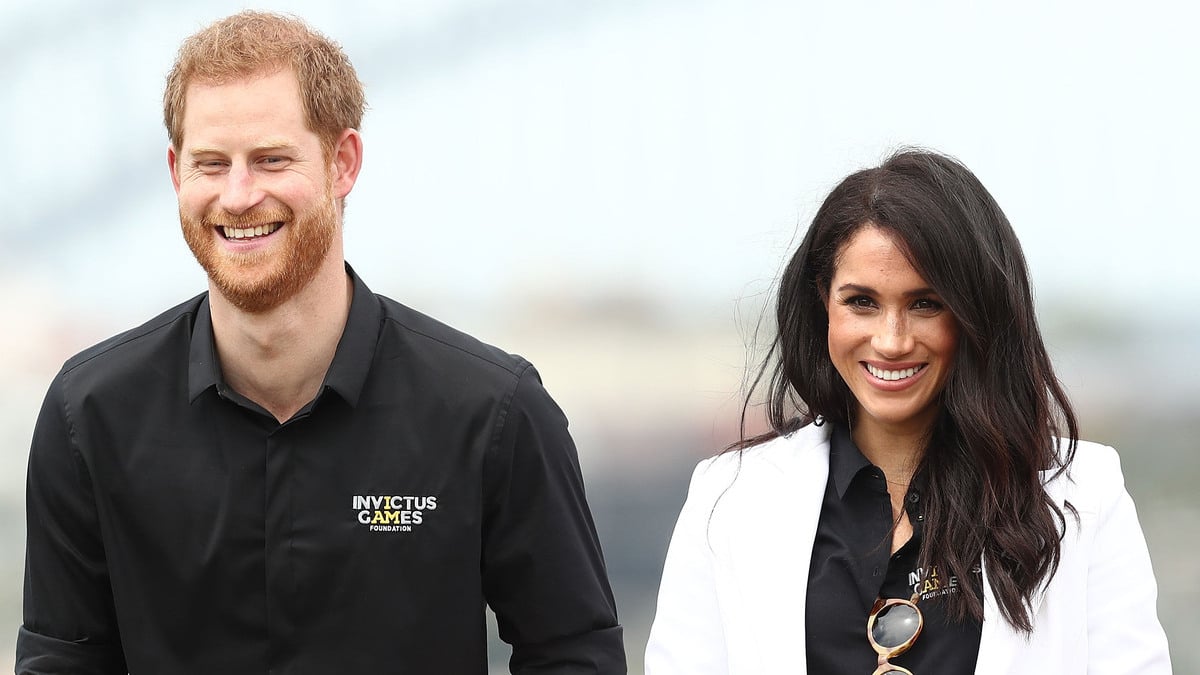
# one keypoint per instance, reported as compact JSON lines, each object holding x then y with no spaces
{"x":543,"y":570}
{"x":687,"y":637}
{"x":1124,"y":634}
{"x":69,"y":620}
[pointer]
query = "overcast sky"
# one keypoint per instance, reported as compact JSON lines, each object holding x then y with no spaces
{"x":675,"y":146}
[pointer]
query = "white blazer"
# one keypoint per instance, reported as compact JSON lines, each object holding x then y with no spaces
{"x":732,"y":599}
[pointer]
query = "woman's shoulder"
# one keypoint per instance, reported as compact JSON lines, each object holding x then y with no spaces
{"x":778,"y":455}
{"x":1093,"y":475}
{"x":1091,"y":457}
{"x":1091,"y":461}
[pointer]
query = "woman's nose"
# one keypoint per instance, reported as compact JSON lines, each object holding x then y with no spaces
{"x":893,"y":338}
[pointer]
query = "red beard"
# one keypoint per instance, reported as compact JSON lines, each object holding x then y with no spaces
{"x":259,"y":281}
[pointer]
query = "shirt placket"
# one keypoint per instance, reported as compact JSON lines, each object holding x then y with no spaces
{"x":278,"y":547}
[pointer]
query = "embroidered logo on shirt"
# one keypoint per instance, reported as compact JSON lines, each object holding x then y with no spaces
{"x":932,"y":585}
{"x":393,"y":513}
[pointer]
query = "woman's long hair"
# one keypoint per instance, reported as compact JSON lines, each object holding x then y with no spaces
{"x":1002,"y":406}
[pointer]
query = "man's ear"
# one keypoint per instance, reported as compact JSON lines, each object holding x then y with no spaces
{"x":346,"y":162}
{"x":173,"y":166}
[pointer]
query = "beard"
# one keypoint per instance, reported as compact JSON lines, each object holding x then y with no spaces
{"x":259,"y":281}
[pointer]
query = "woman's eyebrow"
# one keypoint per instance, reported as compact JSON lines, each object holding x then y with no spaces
{"x":867,"y":290}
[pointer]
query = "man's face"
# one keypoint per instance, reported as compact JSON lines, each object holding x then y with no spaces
{"x":255,"y":197}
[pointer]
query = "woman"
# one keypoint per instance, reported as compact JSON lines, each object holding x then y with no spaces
{"x":921,"y":502}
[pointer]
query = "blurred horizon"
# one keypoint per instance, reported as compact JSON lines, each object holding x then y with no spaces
{"x":610,"y":189}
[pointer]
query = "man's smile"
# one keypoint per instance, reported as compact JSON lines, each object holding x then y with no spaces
{"x":248,"y":232}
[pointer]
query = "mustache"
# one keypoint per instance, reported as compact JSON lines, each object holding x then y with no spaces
{"x":218,"y":217}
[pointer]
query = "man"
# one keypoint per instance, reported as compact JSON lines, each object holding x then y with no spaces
{"x":290,"y":474}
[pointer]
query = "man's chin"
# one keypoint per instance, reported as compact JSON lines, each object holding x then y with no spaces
{"x":252,"y":301}
{"x":249,"y":294}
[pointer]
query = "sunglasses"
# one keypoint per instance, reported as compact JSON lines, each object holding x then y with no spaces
{"x":892,"y":627}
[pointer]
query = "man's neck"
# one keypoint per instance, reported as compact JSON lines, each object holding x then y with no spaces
{"x":279,"y":358}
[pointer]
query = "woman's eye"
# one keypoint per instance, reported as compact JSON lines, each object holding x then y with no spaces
{"x":927,"y":305}
{"x":860,"y":302}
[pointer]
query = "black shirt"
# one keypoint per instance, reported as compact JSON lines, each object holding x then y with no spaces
{"x":176,"y":527}
{"x":852,"y":565}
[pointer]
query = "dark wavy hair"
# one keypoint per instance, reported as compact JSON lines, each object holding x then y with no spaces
{"x":1002,"y":408}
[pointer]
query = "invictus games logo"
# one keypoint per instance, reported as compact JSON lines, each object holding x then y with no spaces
{"x":393,"y":513}
{"x":931,"y":584}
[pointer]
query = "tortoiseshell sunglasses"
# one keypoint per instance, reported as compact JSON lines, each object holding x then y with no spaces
{"x":892,"y":627}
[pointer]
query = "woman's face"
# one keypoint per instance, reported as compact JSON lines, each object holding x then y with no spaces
{"x":890,"y":337}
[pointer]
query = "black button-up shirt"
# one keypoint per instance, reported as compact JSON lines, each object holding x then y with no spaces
{"x":176,"y":527}
{"x":852,"y":565}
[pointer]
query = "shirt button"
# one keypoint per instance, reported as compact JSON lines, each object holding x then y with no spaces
{"x":875,"y":572}
{"x":920,"y":517}
{"x":913,"y":497}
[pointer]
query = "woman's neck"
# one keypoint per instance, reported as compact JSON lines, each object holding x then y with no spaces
{"x":898,"y":451}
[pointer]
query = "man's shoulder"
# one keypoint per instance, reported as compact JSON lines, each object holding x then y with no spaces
{"x":138,"y":347}
{"x":446,"y":346}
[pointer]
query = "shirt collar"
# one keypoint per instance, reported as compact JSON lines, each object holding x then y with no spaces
{"x":356,"y":349}
{"x":203,"y":370}
{"x":845,"y":459}
{"x":351,"y":362}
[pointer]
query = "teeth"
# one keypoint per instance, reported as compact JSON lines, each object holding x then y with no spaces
{"x":892,"y":375}
{"x":247,"y":232}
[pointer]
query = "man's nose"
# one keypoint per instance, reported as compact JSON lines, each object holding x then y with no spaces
{"x":240,"y":193}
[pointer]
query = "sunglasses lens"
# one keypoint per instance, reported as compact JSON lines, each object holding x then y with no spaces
{"x":894,"y":626}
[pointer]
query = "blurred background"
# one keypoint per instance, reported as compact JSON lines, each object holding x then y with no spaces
{"x":611,"y":188}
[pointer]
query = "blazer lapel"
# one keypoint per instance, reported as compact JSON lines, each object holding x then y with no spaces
{"x":1000,"y":641}
{"x":772,"y":547}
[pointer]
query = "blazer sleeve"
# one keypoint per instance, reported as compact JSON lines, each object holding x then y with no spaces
{"x":1124,"y":634}
{"x":687,"y":637}
{"x":69,"y":624}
